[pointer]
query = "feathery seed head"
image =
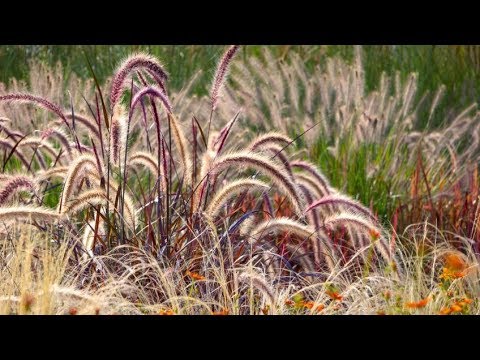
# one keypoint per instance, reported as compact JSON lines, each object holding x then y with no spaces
{"x":134,"y":62}
{"x":221,"y":74}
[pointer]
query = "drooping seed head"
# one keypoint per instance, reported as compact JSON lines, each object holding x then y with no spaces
{"x":230,"y":190}
{"x":132,"y":63}
{"x":27,"y":212}
{"x":339,"y":199}
{"x":263,"y":165}
{"x":271,"y":138}
{"x":76,"y":170}
{"x":14,"y":185}
{"x":310,"y":168}
{"x":281,"y":224}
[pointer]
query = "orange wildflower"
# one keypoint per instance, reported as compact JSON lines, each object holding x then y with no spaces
{"x":418,"y":304}
{"x":223,"y":312}
{"x":289,"y":303}
{"x":308,"y":304}
{"x":195,"y":276}
{"x":454,"y":262}
{"x":448,"y":274}
{"x":445,"y":311}
{"x":456,"y":308}
{"x":311,"y":305}
{"x":266,"y":309}
{"x":467,"y":301}
{"x":334,"y":295}
{"x":166,"y":312}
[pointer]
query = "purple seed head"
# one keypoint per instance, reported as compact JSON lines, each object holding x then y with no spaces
{"x":221,"y":73}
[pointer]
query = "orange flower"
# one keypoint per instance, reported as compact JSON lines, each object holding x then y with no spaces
{"x":223,"y":312}
{"x":308,"y":304}
{"x":266,"y":309}
{"x":418,"y":304}
{"x":166,"y":312}
{"x":467,"y":301}
{"x":445,"y":311}
{"x":334,"y":295}
{"x":454,"y":262}
{"x":195,"y":276}
{"x":311,"y":305}
{"x":456,"y":308}
{"x":289,"y":303}
{"x":448,"y":274}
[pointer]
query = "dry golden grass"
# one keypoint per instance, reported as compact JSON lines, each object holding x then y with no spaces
{"x":39,"y":276}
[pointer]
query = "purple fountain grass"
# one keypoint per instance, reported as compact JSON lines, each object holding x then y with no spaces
{"x":163,"y":193}
{"x":82,"y":148}
{"x":350,"y":218}
{"x":75,"y":171}
{"x":134,"y":62}
{"x":25,"y":212}
{"x":221,"y":74}
{"x":230,"y":190}
{"x":263,"y":165}
{"x":338,"y":199}
{"x":14,"y":185}
{"x":115,"y":130}
{"x":36,"y":100}
{"x":313,"y":216}
{"x":311,"y":183}
{"x":288,"y":225}
{"x":281,"y":224}
{"x":271,"y":138}
{"x":276,"y":151}
{"x":94,"y":197}
{"x":153,"y":91}
{"x":146,"y":159}
{"x":58,"y":134}
{"x":312,"y":169}
{"x":39,"y":144}
{"x":182,"y":147}
{"x":92,"y":231}
{"x":85,"y":121}
{"x":361,"y":224}
{"x":260,"y":284}
{"x":57,"y":171}
{"x":118,"y":135}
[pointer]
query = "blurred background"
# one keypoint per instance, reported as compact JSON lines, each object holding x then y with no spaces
{"x":455,"y":66}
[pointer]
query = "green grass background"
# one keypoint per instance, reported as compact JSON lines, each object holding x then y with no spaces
{"x":458,"y":67}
